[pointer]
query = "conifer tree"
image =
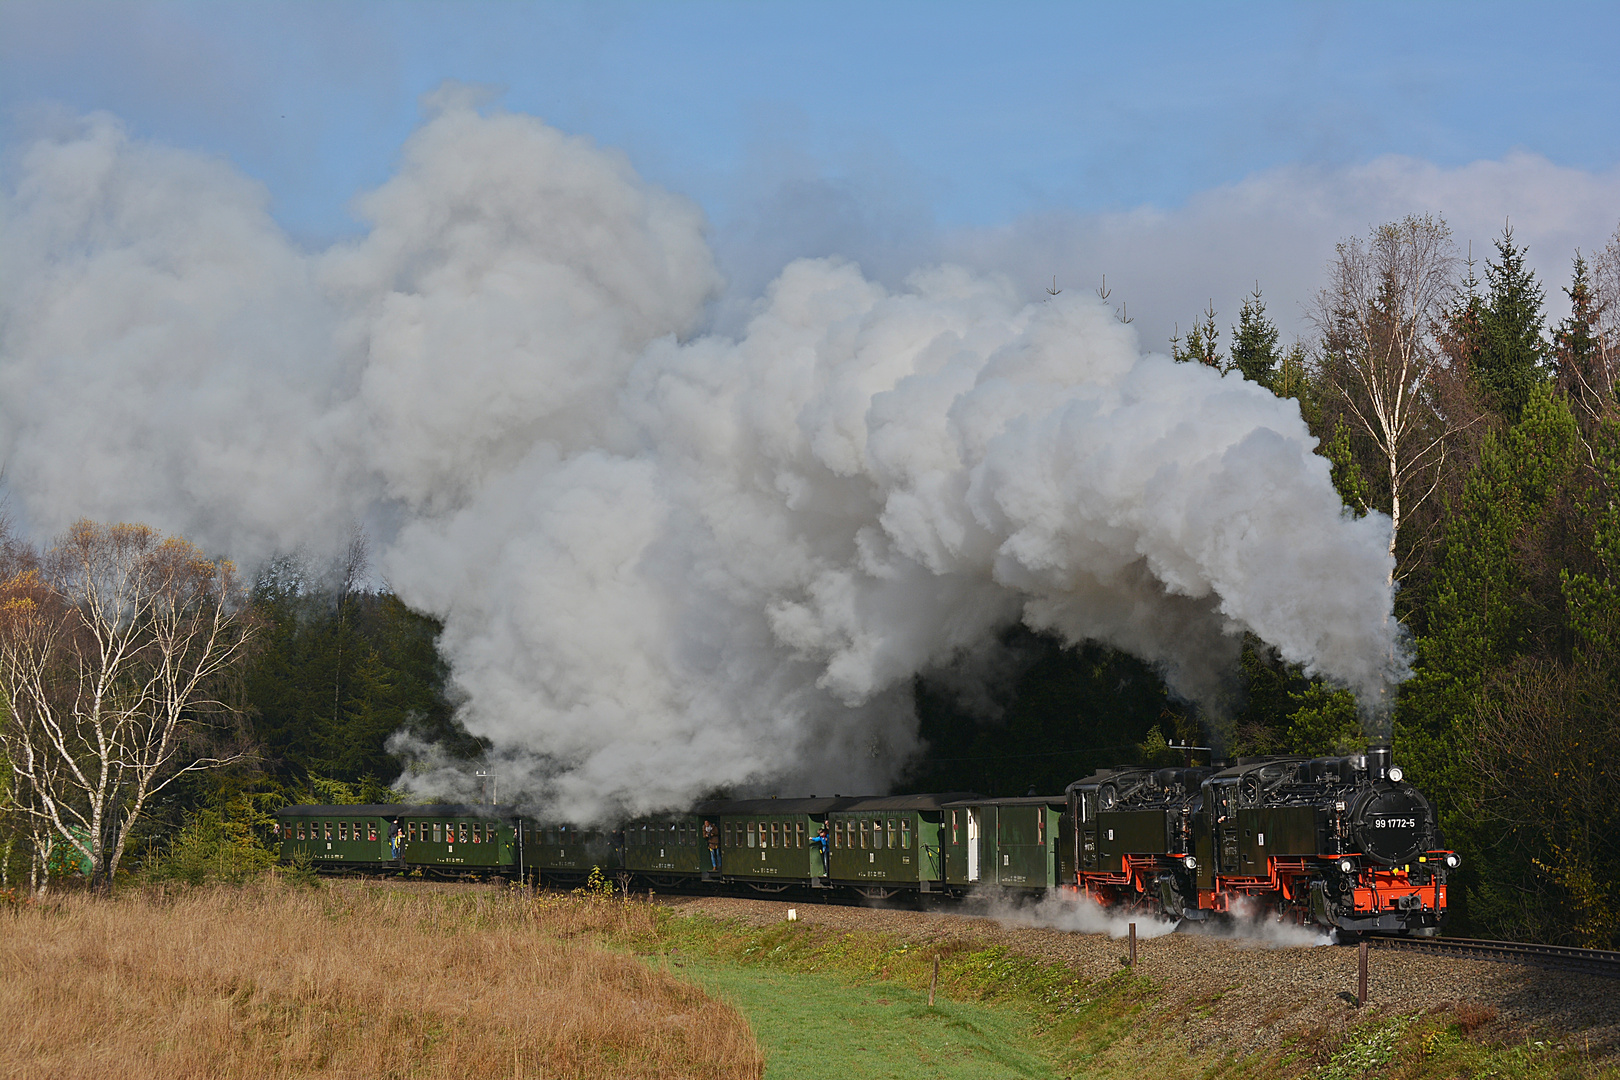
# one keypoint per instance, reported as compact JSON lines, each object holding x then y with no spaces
{"x":1459,"y":335}
{"x":1254,"y":342}
{"x":1292,"y":379}
{"x":1581,"y":372}
{"x":1509,"y":362}
{"x":1201,"y":347}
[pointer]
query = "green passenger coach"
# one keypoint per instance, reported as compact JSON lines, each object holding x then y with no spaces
{"x":456,"y":839}
{"x":665,"y":849}
{"x":1012,"y":843}
{"x":566,"y":854}
{"x":881,"y":846}
{"x":767,"y":843}
{"x":337,"y":838}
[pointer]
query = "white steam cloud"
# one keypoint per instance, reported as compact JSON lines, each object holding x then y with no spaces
{"x":665,"y":561}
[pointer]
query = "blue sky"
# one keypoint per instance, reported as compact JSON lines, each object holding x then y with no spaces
{"x":893,"y":133}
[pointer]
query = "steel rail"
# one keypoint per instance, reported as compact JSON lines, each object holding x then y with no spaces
{"x":1561,"y":957}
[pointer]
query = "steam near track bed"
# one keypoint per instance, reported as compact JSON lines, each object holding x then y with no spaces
{"x":666,"y":560}
{"x":1075,"y":912}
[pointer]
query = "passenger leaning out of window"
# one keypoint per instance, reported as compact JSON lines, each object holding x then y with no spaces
{"x":712,"y":835}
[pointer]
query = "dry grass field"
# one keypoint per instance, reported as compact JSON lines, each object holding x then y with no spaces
{"x":351,"y":980}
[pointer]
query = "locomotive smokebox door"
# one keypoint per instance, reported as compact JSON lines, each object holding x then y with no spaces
{"x":1391,"y":824}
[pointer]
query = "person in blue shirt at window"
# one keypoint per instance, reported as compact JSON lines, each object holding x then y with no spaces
{"x":821,"y":841}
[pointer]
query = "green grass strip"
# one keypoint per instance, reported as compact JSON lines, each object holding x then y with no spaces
{"x":815,"y":1026}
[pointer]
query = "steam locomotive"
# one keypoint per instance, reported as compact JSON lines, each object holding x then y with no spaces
{"x":1342,"y":843}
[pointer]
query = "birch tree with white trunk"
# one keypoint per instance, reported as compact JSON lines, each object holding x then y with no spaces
{"x":1378,"y":317}
{"x":116,"y":651}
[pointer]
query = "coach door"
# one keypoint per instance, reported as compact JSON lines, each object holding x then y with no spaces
{"x":973,"y":844}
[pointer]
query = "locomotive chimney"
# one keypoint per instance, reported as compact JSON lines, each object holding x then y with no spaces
{"x":1379,"y":756}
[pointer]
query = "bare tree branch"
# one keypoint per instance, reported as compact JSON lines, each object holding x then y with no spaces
{"x":113,"y":649}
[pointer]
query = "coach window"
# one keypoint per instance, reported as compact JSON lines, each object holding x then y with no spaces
{"x":300,"y":830}
{"x":798,"y":834}
{"x":905,"y":834}
{"x":356,"y":832}
{"x":954,"y":827}
{"x":894,"y":833}
{"x":753,"y":838}
{"x":326,"y":829}
{"x":437,"y":837}
{"x":776,"y":834}
{"x":477,"y":832}
{"x":463,"y":837}
{"x":866,"y":832}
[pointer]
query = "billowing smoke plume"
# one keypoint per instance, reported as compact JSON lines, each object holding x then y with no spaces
{"x":665,"y":561}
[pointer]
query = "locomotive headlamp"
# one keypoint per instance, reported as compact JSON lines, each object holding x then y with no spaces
{"x":1346,"y":866}
{"x":1190,"y":863}
{"x":1454,"y":860}
{"x":1396,"y":773}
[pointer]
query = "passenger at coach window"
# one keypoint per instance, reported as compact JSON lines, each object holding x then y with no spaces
{"x":823,"y":842}
{"x":712,"y":835}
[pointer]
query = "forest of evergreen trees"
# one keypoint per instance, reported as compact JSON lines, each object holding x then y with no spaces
{"x":1449,"y":402}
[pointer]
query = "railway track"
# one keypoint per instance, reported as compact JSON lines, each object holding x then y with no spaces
{"x":1563,"y":958}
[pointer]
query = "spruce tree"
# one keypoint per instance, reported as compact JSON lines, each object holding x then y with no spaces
{"x":1511,"y":348}
{"x":1254,"y":342}
{"x":1577,"y":356}
{"x":1292,"y":379}
{"x":1201,"y":340}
